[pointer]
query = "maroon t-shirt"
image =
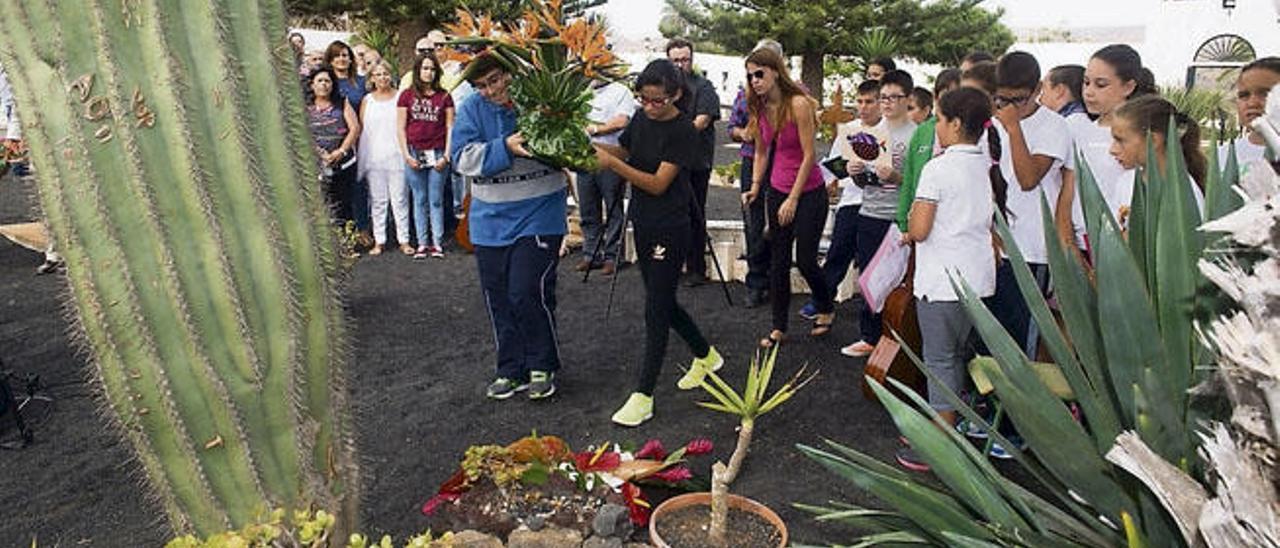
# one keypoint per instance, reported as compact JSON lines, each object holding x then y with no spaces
{"x":425,"y":128}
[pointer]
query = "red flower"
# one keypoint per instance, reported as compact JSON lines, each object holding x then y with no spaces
{"x":636,"y":505}
{"x":597,"y":461}
{"x":674,"y":474}
{"x":652,"y":450}
{"x":435,"y":502}
{"x":698,"y":447}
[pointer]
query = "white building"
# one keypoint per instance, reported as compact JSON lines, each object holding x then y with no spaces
{"x":1172,"y":37}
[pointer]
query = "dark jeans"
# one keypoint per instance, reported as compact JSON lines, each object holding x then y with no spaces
{"x":1008,"y":306}
{"x":696,"y":261}
{"x":599,"y":202}
{"x":844,"y":242}
{"x":338,"y":194}
{"x":519,"y":285}
{"x":359,"y":201}
{"x":870,"y":232}
{"x":660,"y":252}
{"x":805,"y":231}
{"x":753,"y":224}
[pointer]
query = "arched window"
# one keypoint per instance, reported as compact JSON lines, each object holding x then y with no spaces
{"x":1218,"y":60}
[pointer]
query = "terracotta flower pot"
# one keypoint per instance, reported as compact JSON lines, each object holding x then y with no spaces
{"x":704,"y":499}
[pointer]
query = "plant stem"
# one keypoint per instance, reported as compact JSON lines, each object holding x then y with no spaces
{"x":722,"y":476}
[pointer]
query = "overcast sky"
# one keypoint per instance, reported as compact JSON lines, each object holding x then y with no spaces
{"x":637,"y":18}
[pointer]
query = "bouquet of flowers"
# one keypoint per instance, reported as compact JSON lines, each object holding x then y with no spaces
{"x":553,"y":62}
{"x":540,"y":476}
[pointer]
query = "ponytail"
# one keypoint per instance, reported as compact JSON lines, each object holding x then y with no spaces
{"x":999,"y":187}
{"x":1190,"y":140}
{"x":972,"y":107}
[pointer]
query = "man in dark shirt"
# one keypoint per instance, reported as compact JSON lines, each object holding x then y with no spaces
{"x":705,"y":108}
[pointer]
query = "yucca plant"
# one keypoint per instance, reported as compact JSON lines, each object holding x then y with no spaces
{"x":749,"y":405}
{"x":175,"y":168}
{"x":1130,"y":355}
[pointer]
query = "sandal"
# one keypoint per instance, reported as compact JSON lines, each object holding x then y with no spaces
{"x":775,"y":337}
{"x":822,"y":324}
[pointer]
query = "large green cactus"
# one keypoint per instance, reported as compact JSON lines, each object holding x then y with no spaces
{"x":175,"y":168}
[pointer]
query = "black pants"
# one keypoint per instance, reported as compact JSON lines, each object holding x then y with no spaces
{"x":660,"y":252}
{"x":696,"y":259}
{"x":805,"y":231}
{"x":338,"y":194}
{"x":519,"y":284}
{"x":753,"y":225}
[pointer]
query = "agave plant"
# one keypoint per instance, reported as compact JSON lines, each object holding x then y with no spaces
{"x":175,"y":169}
{"x":874,"y":44}
{"x":1129,"y":351}
{"x":748,"y":406}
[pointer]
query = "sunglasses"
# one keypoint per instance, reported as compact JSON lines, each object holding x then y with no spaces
{"x":757,"y":74}
{"x":654,"y":101}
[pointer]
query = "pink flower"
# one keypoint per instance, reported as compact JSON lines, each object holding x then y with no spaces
{"x":652,"y":450}
{"x":674,"y":474}
{"x":696,"y":447}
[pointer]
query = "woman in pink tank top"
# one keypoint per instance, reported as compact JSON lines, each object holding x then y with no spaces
{"x":795,"y":200}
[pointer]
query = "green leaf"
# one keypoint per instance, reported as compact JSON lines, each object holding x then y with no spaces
{"x":1077,"y":301}
{"x":932,"y":510}
{"x":536,"y":474}
{"x":950,"y":458}
{"x":1104,"y":423}
{"x":1040,"y":416}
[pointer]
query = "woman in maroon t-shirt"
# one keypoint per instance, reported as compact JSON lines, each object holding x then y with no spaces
{"x":425,"y":118}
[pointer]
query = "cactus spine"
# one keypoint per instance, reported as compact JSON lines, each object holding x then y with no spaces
{"x":175,"y":168}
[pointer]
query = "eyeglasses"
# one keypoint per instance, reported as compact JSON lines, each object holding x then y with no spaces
{"x":1002,"y":101}
{"x":653,"y":101}
{"x":757,"y":74}
{"x":892,"y":98}
{"x":681,"y":60}
{"x":487,"y":82}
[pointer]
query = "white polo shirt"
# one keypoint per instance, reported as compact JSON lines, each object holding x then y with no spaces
{"x":960,"y":240}
{"x":1046,"y":135}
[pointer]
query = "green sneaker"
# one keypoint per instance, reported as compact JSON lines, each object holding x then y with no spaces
{"x":699,"y":368}
{"x":542,"y":384}
{"x":639,"y":408}
{"x":503,"y":388}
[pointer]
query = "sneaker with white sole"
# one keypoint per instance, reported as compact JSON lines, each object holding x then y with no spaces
{"x":998,"y":451}
{"x":502,"y":388}
{"x":639,"y":408}
{"x":971,"y":429}
{"x":699,"y":368}
{"x":858,"y":349}
{"x":542,"y":384}
{"x":809,"y":311}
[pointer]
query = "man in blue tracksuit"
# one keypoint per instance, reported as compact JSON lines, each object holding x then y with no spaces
{"x":517,"y":221}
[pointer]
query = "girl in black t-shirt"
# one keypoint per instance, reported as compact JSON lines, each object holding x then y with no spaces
{"x":658,"y":149}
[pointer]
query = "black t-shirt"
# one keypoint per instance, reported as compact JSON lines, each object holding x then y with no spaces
{"x":705,"y":101}
{"x":651,"y":143}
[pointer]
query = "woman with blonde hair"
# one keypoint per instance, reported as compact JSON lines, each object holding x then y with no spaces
{"x":784,"y":122}
{"x":380,"y":161}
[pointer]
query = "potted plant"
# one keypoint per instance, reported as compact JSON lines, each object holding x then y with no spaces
{"x":683,"y":520}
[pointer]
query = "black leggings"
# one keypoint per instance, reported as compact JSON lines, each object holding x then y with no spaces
{"x":805,"y":231}
{"x":661,"y":251}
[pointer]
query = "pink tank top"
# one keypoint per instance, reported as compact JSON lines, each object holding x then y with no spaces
{"x":787,"y":157}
